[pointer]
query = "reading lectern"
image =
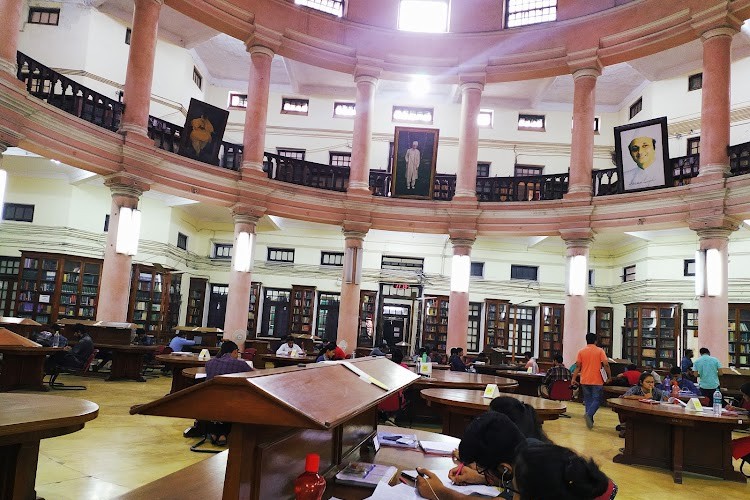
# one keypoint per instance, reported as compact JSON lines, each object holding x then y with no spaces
{"x":280,"y":415}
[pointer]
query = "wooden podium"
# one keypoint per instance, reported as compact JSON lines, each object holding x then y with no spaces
{"x":279,"y":416}
{"x":209,"y":336}
{"x":101,"y":332}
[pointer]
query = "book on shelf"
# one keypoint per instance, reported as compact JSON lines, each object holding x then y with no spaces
{"x":364,"y":474}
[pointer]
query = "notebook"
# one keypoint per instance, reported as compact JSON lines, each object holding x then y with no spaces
{"x":365,"y":474}
{"x":398,"y":440}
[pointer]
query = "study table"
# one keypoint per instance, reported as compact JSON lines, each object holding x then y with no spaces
{"x":277,"y":360}
{"x":528,"y":383}
{"x":176,"y":363}
{"x":667,"y":436}
{"x":488,"y":369}
{"x":23,"y":367}
{"x":611,"y":391}
{"x":127,"y":360}
{"x":25,"y":420}
{"x":460,"y":406}
{"x":731,"y":379}
{"x":435,"y":366}
{"x":213,"y":351}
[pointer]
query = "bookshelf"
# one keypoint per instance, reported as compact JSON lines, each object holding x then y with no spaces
{"x":496,"y":323}
{"x":53,"y":287}
{"x":301,"y":310}
{"x":196,"y":301}
{"x":149,"y":304}
{"x":739,"y":334}
{"x":366,"y":310}
{"x":435,"y":330}
{"x":253,"y":309}
{"x":651,"y":333}
{"x":690,"y":326}
{"x":603,"y":328}
{"x":175,"y":301}
{"x":551,"y":330}
{"x":521,"y":326}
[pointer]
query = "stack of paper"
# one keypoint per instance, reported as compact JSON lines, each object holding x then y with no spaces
{"x":437,"y":447}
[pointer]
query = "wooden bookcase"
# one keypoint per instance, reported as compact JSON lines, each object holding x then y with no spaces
{"x":739,"y":334}
{"x":149,"y":300}
{"x":604,"y":328}
{"x":367,"y":306}
{"x":435,"y":329}
{"x":496,"y":323}
{"x":253,"y":309}
{"x":175,"y":301}
{"x":302,"y":310}
{"x":53,"y":287}
{"x":196,"y":301}
{"x":651,"y":333}
{"x":690,"y":326}
{"x":551,"y":330}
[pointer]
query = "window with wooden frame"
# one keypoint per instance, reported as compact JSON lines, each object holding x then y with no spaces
{"x":332,"y":259}
{"x":412,"y":115}
{"x":280,"y":255}
{"x":197,"y":78}
{"x":694,"y":146}
{"x":337,"y":159}
{"x":533,"y":123}
{"x":182,"y":241}
{"x":527,"y":170}
{"x":292,"y":106}
{"x":483,"y":169}
{"x":688,"y":267}
{"x":396,"y":262}
{"x":237,"y":100}
{"x":525,"y":12}
{"x":473,"y":327}
{"x":518,"y":272}
{"x":222,"y":251}
{"x":477,"y":270}
{"x":296,"y":154}
{"x":344,"y":110}
{"x":628,"y":273}
{"x":636,"y":107}
{"x":44,"y":15}
{"x":695,"y":82}
{"x":18,"y":212}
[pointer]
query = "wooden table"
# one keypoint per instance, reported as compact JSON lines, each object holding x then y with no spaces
{"x":460,"y":406}
{"x":25,"y":420}
{"x":435,"y":366}
{"x":669,"y":437}
{"x":176,"y":363}
{"x":528,"y":383}
{"x":213,"y":351}
{"x":613,"y":391}
{"x":206,"y":478}
{"x":488,"y":369}
{"x":127,"y":360}
{"x":23,"y":367}
{"x":285,"y":360}
{"x":731,"y":379}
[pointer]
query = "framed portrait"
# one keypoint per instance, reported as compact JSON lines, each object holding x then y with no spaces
{"x":642,"y":153}
{"x":414,"y":160}
{"x":204,"y":129}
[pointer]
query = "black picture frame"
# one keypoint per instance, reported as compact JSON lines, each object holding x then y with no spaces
{"x":642,"y":155}
{"x":203,"y":132}
{"x":404,"y":185}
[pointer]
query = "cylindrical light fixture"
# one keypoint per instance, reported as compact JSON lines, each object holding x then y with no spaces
{"x":460,"y":272}
{"x":353,"y":265}
{"x":128,"y":231}
{"x":577,"y":274}
{"x":243,"y":252}
{"x":709,"y":273}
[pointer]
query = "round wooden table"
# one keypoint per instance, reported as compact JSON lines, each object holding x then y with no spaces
{"x":285,"y":360}
{"x":460,"y":406}
{"x":176,"y":363}
{"x":435,"y":366}
{"x":25,"y":420}
{"x":127,"y":360}
{"x":528,"y":383}
{"x":23,"y":367}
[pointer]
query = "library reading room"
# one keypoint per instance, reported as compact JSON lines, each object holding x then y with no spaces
{"x":326,"y":249}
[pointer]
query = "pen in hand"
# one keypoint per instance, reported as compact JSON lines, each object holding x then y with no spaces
{"x":458,"y":471}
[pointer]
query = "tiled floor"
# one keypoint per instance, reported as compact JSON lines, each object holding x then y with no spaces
{"x":118,"y":452}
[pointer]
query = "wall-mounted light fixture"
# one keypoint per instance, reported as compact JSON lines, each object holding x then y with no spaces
{"x":128,"y":231}
{"x":709,"y":274}
{"x":243,"y":252}
{"x":577,"y":274}
{"x":460,"y":272}
{"x":353,"y":265}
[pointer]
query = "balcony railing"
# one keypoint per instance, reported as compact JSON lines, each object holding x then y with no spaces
{"x":443,"y":189}
{"x":306,"y":173}
{"x":739,"y":159}
{"x":684,"y":168}
{"x":68,"y":95}
{"x":528,"y":188}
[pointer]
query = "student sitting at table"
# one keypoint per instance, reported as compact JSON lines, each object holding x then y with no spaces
{"x":530,"y":362}
{"x":226,"y":362}
{"x":72,"y":358}
{"x":456,"y":362}
{"x":645,"y":389}
{"x":45,"y":338}
{"x":676,"y":377}
{"x":179,"y":341}
{"x":521,"y":414}
{"x":557,"y":372}
{"x":289,"y":348}
{"x":630,"y":376}
{"x":327,"y":352}
{"x":743,"y":403}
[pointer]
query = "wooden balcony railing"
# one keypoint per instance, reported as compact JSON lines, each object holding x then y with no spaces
{"x":530,"y":188}
{"x":739,"y":159}
{"x":68,"y":95}
{"x":305,"y":173}
{"x":444,"y":185}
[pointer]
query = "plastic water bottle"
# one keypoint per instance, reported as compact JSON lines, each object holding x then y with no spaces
{"x":717,"y":402}
{"x":56,"y":340}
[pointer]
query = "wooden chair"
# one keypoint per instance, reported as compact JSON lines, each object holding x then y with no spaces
{"x":561,"y":391}
{"x":81,"y":372}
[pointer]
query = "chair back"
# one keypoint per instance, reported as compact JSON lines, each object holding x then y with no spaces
{"x":249,"y":354}
{"x":88,"y":362}
{"x":561,"y":391}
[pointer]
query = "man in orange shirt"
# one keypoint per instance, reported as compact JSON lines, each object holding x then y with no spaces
{"x":589,"y":363}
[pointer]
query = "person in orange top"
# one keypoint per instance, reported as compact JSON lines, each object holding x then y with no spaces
{"x":589,"y":362}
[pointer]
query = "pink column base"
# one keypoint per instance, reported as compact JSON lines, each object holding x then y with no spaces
{"x":348,"y":328}
{"x":458,"y":320}
{"x":575,"y":321}
{"x":713,"y":312}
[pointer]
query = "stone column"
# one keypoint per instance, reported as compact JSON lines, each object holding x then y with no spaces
{"x":10,"y":13}
{"x":582,"y":142}
{"x":714,"y":160}
{"x":140,"y":72}
{"x":348,"y":328}
{"x":468,"y":142}
{"x":458,"y":309}
{"x":258,"y":85}
{"x":713,"y":312}
{"x":240,"y":282}
{"x":359,"y":172}
{"x":575,"y":322}
{"x":114,"y":292}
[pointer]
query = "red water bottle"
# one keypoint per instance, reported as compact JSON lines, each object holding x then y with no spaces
{"x":310,"y":485}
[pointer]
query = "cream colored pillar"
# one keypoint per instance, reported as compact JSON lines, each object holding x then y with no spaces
{"x":359,"y":172}
{"x":258,"y":88}
{"x":468,"y":142}
{"x":582,"y":142}
{"x":114,"y":292}
{"x":575,"y":322}
{"x":348,"y":328}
